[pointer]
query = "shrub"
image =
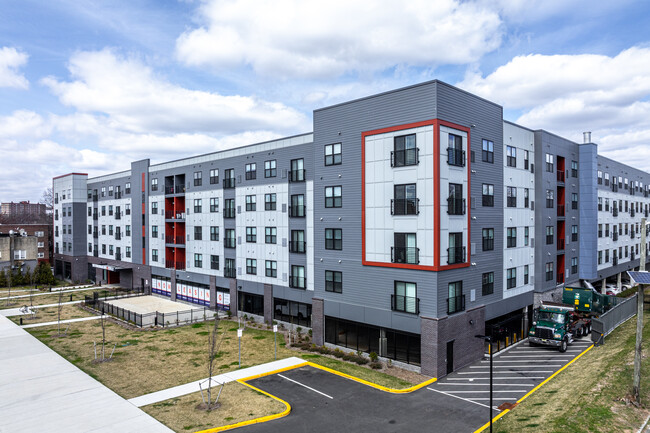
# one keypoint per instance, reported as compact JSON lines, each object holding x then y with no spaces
{"x":299,"y":330}
{"x":310,"y":332}
{"x":373,"y":356}
{"x":338,"y":353}
{"x":375,"y":365}
{"x":361,"y":360}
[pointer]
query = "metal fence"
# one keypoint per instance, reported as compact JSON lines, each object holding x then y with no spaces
{"x":606,"y":323}
{"x":184,"y":317}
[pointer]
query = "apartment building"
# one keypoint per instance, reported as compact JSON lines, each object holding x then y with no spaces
{"x":18,"y":251}
{"x":42,"y":232}
{"x":407,"y":223}
{"x":23,"y":209}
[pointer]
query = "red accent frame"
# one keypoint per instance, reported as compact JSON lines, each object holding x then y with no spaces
{"x":436,"y":123}
{"x":144,"y":229}
{"x":70,"y":174}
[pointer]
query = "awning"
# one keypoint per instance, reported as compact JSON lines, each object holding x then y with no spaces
{"x":109,"y":267}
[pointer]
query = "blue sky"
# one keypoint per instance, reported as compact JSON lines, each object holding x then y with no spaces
{"x":92,"y":85}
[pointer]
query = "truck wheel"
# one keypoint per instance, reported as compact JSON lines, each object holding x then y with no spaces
{"x":563,"y":346}
{"x":579,"y":332}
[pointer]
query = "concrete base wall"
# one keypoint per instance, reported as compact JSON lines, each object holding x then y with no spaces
{"x":78,"y":266}
{"x":268,"y":303}
{"x":318,"y":321}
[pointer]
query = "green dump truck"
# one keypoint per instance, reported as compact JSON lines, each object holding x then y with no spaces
{"x":557,"y":324}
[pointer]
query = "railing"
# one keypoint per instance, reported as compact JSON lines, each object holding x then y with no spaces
{"x":118,"y":236}
{"x":229,"y":242}
{"x":455,"y":157}
{"x":409,"y":255}
{"x":560,"y":244}
{"x":250,"y":175}
{"x":401,"y":158}
{"x":455,"y":304}
{"x":95,"y":197}
{"x":118,"y":216}
{"x":455,"y":206}
{"x":631,"y":235}
{"x":169,"y":190}
{"x":615,"y":212}
{"x":296,"y":175}
{"x":179,"y":189}
{"x":180,"y":265}
{"x":632,"y":256}
{"x":179,"y":240}
{"x":95,"y":217}
{"x":95,"y":235}
{"x":560,"y":210}
{"x":455,"y":255}
{"x":405,"y":206}
{"x":560,"y":277}
{"x":169,"y":214}
{"x":615,"y":236}
{"x":615,"y":261}
{"x":229,"y":183}
{"x":488,"y":200}
{"x":405,"y":304}
{"x":118,"y":256}
{"x":614,"y":187}
{"x":297,"y":211}
{"x":169,"y":264}
{"x":297,"y":282}
{"x":229,"y":212}
{"x":560,"y":175}
{"x":610,"y":320}
{"x":297,"y":246}
{"x":632,"y":212}
{"x":230,"y":272}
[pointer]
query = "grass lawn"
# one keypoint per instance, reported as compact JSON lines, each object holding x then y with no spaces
{"x":589,"y":395}
{"x":238,"y":403}
{"x":46,"y":298}
{"x":49,"y":314}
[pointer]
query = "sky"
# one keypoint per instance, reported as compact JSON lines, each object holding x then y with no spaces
{"x":89,"y":85}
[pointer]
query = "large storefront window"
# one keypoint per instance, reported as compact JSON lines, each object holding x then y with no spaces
{"x":252,"y":304}
{"x":292,"y":312}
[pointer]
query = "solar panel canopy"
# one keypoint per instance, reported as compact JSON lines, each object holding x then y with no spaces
{"x":640,"y":277}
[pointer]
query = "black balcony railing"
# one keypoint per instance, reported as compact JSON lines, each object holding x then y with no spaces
{"x":230,"y":272}
{"x":95,"y":235}
{"x":560,"y":176}
{"x":169,"y":264}
{"x":409,"y":255}
{"x":614,"y":187}
{"x":401,"y":158}
{"x":560,"y":244}
{"x":229,"y":242}
{"x":488,"y":200}
{"x":455,"y":304}
{"x":297,"y":246}
{"x":297,"y":282}
{"x":632,"y":256}
{"x":455,"y":206}
{"x":632,"y":212}
{"x":631,"y":235}
{"x":455,"y":255}
{"x":118,"y":256}
{"x":560,"y":210}
{"x":405,"y":304}
{"x":95,"y":197}
{"x":405,"y":206}
{"x":229,"y":212}
{"x":95,"y":216}
{"x":118,"y":236}
{"x":229,"y":182}
{"x":180,"y":265}
{"x":455,"y":157}
{"x":250,"y":175}
{"x":560,"y":278}
{"x":615,"y":211}
{"x":179,"y":189}
{"x":95,"y":253}
{"x":615,"y":261}
{"x":180,"y":240}
{"x":296,"y":175}
{"x":615,"y":236}
{"x":169,"y":190}
{"x":118,"y":216}
{"x":297,"y":211}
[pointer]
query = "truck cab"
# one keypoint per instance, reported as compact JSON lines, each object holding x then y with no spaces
{"x":551,"y":327}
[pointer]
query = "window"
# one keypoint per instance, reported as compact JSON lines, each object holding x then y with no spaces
{"x":511,"y":278}
{"x":600,"y":177}
{"x":270,"y":235}
{"x":90,"y":247}
{"x":110,"y":230}
{"x":456,"y":250}
{"x":198,"y":205}
{"x":214,"y":233}
{"x":512,"y":196}
{"x":600,"y":203}
{"x":574,"y":201}
{"x":334,"y":281}
{"x":526,"y":197}
{"x":251,"y":171}
{"x":127,"y":188}
{"x":251,"y":266}
{"x":600,"y":257}
{"x":198,"y":178}
{"x":549,"y":235}
{"x":511,"y":237}
{"x":525,"y":274}
{"x":297,"y":208}
{"x":488,"y":239}
{"x":487,"y":286}
{"x":198,"y":233}
{"x":606,"y":230}
{"x":214,"y":180}
{"x":549,"y":271}
{"x":297,"y":244}
{"x":154,"y":184}
{"x":251,"y":234}
{"x":607,"y":205}
{"x":104,"y":191}
{"x":103,"y":210}
{"x":574,"y":262}
{"x":333,"y":239}
{"x":297,"y":278}
{"x":488,"y":195}
{"x":297,"y":172}
{"x":271,"y":268}
{"x":110,"y":210}
{"x":110,"y":191}
{"x":526,"y":162}
{"x":198,"y":260}
{"x":455,"y":202}
{"x":229,"y":239}
{"x":127,"y":209}
{"x":405,"y":201}
{"x":405,"y":248}
{"x":511,"y":156}
{"x":269,"y":201}
{"x":229,"y":269}
{"x":333,"y":196}
{"x":404,"y":151}
{"x":90,"y":211}
{"x":526,"y":235}
{"x":154,"y":231}
{"x":574,"y":168}
{"x":549,"y":163}
{"x":154,"y":208}
{"x":103,"y":229}
{"x":229,"y":208}
{"x":214,"y":204}
{"x":154,"y":255}
{"x":251,"y":203}
{"x":549,"y":198}
{"x":270,"y":168}
{"x":405,"y":297}
{"x":333,"y":154}
{"x":214,"y":262}
{"x":456,"y":300}
{"x":487,"y":154}
{"x":606,"y":179}
{"x":600,"y":230}
{"x":110,"y":250}
{"x":127,"y":230}
{"x":455,"y":152}
{"x":229,"y":180}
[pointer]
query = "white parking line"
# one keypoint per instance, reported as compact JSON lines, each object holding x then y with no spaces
{"x":506,"y":372}
{"x":521,"y":360}
{"x":497,"y":378}
{"x":535,"y":356}
{"x":310,"y":388}
{"x":495,"y":398}
{"x":515,"y":366}
{"x":496,"y":390}
{"x":485,"y":384}
{"x":465,"y":399}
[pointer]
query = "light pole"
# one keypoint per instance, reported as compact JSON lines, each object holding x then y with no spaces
{"x":488,"y":338}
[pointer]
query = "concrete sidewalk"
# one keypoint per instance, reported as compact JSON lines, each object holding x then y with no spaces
{"x":49,"y":293}
{"x":80,"y":319}
{"x":42,"y":391}
{"x":191,"y":387}
{"x":16,"y":311}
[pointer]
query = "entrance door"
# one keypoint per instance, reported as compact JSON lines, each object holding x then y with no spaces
{"x":450,"y":356}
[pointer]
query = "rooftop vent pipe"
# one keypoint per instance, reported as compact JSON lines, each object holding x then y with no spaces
{"x":586,"y":136}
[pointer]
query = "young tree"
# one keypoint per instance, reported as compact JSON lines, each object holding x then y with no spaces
{"x":58,"y":313}
{"x":3,"y":278}
{"x":214,"y":343}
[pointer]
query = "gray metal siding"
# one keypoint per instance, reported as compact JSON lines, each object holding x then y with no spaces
{"x":588,"y":165}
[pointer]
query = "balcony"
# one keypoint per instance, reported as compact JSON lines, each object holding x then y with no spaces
{"x":297,"y":247}
{"x":615,"y":261}
{"x":230,"y":272}
{"x":169,"y":264}
{"x":229,"y":183}
{"x":632,"y":212}
{"x":169,"y":190}
{"x":406,"y":157}
{"x":560,"y":210}
{"x":118,"y":236}
{"x":297,"y":211}
{"x":250,"y":175}
{"x":615,"y":236}
{"x":560,"y":278}
{"x":95,"y":235}
{"x":229,"y":242}
{"x":560,"y":176}
{"x":405,"y":206}
{"x":95,"y":197}
{"x":408,"y":255}
{"x":405,"y":304}
{"x":455,"y":157}
{"x":297,"y":282}
{"x":296,"y":175}
{"x":180,"y":265}
{"x":118,"y":216}
{"x":455,"y":304}
{"x":631,"y":235}
{"x":95,"y":217}
{"x":229,"y":212}
{"x":615,"y":212}
{"x":560,"y":244}
{"x":179,"y":240}
{"x":169,"y":239}
{"x":95,"y":253}
{"x":632,"y":255}
{"x":614,"y":187}
{"x":118,"y":256}
{"x":455,"y":255}
{"x":455,"y":206}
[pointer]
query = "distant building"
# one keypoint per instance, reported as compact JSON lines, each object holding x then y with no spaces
{"x":22,"y":209}
{"x":18,"y":251}
{"x":43,"y":233}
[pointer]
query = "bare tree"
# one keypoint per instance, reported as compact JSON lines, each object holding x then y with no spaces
{"x":47,"y":198}
{"x":214,"y":343}
{"x":59,"y":308}
{"x":103,"y":322}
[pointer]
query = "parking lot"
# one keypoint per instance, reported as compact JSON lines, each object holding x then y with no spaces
{"x":459,"y":402}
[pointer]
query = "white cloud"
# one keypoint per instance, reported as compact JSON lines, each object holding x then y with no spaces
{"x":297,"y":38}
{"x":10,"y":61}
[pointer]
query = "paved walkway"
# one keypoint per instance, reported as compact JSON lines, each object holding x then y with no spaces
{"x":49,"y":293}
{"x":16,"y":311}
{"x":188,"y":388}
{"x":42,"y":391}
{"x":80,"y":319}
